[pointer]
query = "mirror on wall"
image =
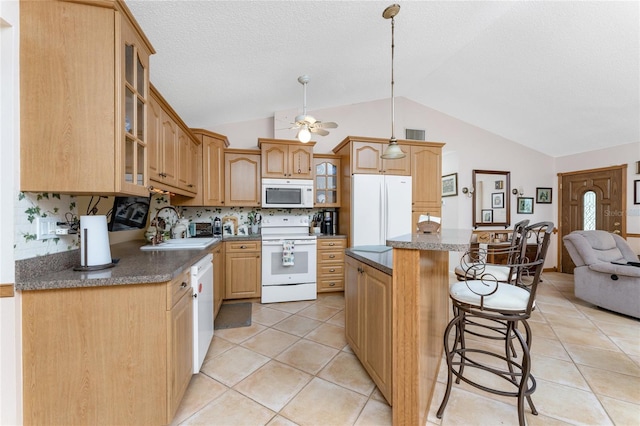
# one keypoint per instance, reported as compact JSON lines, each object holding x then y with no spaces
{"x":491,"y":203}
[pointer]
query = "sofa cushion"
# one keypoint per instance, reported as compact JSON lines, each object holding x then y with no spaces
{"x":603,"y":244}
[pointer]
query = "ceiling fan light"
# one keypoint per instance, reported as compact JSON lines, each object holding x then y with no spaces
{"x":304,"y":135}
{"x":393,"y":151}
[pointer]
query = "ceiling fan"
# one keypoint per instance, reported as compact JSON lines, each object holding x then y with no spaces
{"x":306,"y":123}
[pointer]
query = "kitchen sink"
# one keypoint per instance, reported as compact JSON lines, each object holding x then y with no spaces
{"x":183,"y":244}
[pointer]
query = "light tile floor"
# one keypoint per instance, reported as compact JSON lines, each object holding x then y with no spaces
{"x":293,"y":366}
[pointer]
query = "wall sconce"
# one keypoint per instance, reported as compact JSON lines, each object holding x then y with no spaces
{"x":468,"y":191}
{"x":518,"y":191}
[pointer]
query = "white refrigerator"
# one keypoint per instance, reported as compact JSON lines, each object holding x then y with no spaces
{"x":380,"y":208}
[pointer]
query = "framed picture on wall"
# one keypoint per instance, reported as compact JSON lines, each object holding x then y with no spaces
{"x":450,"y":185}
{"x":525,"y":205}
{"x":543,"y":195}
{"x":636,"y":192}
{"x":487,"y":216}
{"x":497,"y":200}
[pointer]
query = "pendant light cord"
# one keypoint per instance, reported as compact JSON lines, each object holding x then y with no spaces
{"x":393,"y":102}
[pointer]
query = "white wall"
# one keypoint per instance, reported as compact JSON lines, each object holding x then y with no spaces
{"x":10,"y":324}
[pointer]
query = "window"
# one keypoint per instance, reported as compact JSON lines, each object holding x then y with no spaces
{"x":589,"y":211}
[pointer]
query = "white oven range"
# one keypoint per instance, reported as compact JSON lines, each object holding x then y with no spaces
{"x":288,"y":259}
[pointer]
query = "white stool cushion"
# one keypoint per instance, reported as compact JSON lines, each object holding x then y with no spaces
{"x":501,"y":273}
{"x":507,"y":297}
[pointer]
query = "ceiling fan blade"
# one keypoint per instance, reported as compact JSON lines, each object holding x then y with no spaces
{"x":319,"y":131}
{"x":326,"y":124}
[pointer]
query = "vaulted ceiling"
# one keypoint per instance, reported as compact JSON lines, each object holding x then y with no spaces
{"x":562,"y":77}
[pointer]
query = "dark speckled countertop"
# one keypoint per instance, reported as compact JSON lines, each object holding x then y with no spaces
{"x":134,"y":267}
{"x":381,"y":257}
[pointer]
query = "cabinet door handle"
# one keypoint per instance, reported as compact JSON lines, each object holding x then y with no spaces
{"x":332,"y":270}
{"x":243,"y":247}
{"x":195,"y":295}
{"x":190,"y":186}
{"x":332,"y":284}
{"x":183,"y":285}
{"x":331,"y":256}
{"x":332,"y":244}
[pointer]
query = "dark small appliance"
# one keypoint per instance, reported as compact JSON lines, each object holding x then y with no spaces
{"x":329,"y":222}
{"x":217,"y":227}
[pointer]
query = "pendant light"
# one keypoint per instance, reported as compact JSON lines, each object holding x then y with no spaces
{"x":393,"y":150}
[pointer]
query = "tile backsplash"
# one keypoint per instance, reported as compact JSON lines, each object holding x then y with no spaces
{"x":30,"y":206}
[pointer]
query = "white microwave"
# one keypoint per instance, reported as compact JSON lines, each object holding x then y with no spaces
{"x":287,"y":193}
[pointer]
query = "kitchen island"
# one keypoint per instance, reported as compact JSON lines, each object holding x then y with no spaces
{"x":396,"y":315}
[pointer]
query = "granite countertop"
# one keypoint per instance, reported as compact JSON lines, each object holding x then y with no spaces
{"x":252,"y":237}
{"x":134,"y":267}
{"x":445,"y":240}
{"x":381,"y":257}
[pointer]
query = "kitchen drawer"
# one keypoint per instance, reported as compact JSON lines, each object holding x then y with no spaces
{"x":242,"y":246}
{"x":328,"y":270}
{"x":330,"y":284}
{"x":330,"y":256}
{"x":332,"y":244}
{"x":178,"y":287}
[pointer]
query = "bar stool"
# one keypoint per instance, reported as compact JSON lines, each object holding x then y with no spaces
{"x":474,"y":263}
{"x":482,"y":299}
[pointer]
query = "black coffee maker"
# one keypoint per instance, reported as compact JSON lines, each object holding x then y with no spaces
{"x":217,"y":227}
{"x":329,"y":222}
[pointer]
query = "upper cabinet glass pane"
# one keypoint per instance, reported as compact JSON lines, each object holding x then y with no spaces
{"x":332,"y":169}
{"x":128,"y":64}
{"x":320,"y":169}
{"x":321,"y":182}
{"x":140,"y":119}
{"x":129,"y":119}
{"x":332,"y":182}
{"x":140,"y":78}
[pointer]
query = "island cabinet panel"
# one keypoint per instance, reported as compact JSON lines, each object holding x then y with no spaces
{"x":368,"y":321}
{"x":118,"y":354}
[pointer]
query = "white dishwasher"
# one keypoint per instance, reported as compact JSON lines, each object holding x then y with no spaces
{"x":202,"y":284}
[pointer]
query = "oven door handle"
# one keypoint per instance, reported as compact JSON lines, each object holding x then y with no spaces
{"x":295,"y":242}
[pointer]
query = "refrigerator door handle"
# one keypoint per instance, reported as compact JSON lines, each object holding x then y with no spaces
{"x":383,"y":211}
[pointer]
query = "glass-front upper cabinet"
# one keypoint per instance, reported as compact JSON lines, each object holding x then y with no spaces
{"x":136,"y":88}
{"x":327,"y":180}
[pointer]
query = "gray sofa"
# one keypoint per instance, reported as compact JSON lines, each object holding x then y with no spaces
{"x":599,"y":279}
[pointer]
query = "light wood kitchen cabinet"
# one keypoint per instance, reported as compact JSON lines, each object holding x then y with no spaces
{"x":209,"y":169}
{"x":179,"y":344}
{"x":426,"y":166}
{"x":188,"y":177}
{"x":84,"y":87}
{"x":368,"y":321}
{"x":119,"y":354}
{"x":423,"y":160}
{"x":366,"y":159}
{"x":218,"y":278}
{"x":286,"y":159}
{"x":173,"y":149}
{"x":326,"y":180}
{"x":330,"y":272}
{"x":242,"y":184}
{"x":243,"y":269}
